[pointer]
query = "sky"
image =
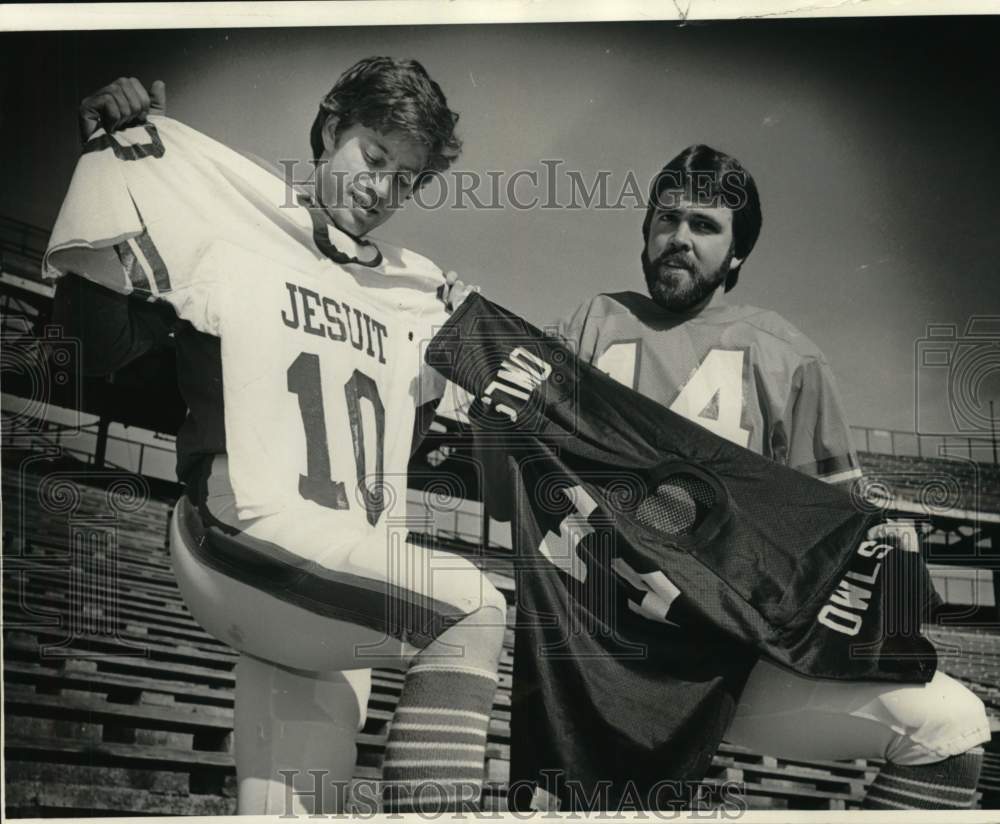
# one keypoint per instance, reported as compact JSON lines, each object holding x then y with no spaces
{"x":873,"y":143}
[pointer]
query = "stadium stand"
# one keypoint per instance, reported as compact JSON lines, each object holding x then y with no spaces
{"x":118,"y":703}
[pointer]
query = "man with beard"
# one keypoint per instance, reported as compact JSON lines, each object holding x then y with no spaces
{"x":749,"y":376}
{"x":744,"y":373}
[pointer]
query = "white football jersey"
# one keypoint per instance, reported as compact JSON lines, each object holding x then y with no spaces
{"x":322,"y":335}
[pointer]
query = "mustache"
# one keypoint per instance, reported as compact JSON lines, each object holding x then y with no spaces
{"x":674,"y":259}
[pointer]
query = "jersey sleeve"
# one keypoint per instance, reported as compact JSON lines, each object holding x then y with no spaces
{"x":819,"y":436}
{"x":572,"y":329}
{"x":143,"y":207}
{"x":99,"y":232}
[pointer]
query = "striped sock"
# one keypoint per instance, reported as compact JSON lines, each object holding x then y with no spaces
{"x":437,"y":741}
{"x":945,"y":785}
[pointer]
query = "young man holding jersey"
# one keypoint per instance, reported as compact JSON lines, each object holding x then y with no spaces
{"x":306,"y":581}
{"x":751,"y":377}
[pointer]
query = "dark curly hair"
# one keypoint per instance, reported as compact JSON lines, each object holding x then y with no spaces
{"x":728,"y":184}
{"x":391,"y":95}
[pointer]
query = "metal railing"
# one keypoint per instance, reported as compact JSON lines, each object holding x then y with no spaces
{"x":866,"y":439}
{"x":914,"y":444}
{"x":52,"y":433}
{"x":23,"y":239}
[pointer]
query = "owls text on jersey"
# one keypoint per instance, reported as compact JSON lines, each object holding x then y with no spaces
{"x":743,"y":373}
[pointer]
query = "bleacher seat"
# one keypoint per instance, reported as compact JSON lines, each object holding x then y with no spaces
{"x":944,"y":484}
{"x":117,"y":703}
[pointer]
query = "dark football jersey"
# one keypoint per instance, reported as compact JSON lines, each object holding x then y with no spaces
{"x":655,"y":561}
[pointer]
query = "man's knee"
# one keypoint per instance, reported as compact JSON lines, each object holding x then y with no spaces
{"x":490,"y":616}
{"x":469,"y":589}
{"x":486,"y":609}
{"x":336,"y":699}
{"x":478,"y":637}
{"x":342,"y":697}
{"x":494,"y":601}
{"x":942,"y":719}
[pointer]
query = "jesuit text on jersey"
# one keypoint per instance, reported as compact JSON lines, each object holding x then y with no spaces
{"x":364,"y":332}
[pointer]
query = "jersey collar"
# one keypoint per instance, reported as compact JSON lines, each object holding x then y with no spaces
{"x":337,"y":245}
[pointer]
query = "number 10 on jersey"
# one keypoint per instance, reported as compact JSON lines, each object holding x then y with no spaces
{"x":318,"y":484}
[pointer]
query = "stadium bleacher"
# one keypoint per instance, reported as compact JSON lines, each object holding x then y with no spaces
{"x":117,"y":703}
{"x":941,"y":484}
